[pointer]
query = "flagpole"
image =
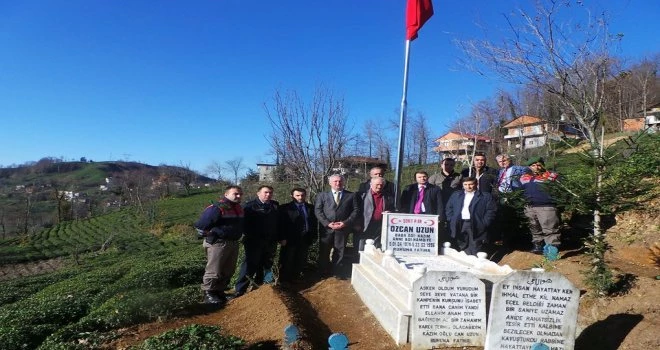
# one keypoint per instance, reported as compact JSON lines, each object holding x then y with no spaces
{"x":402,"y":128}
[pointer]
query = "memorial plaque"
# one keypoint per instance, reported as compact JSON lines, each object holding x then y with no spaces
{"x":410,"y":234}
{"x":533,"y":307}
{"x":449,"y":310}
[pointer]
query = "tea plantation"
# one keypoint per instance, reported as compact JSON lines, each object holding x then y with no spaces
{"x":121,"y":269}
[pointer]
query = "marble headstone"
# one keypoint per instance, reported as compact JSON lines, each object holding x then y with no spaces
{"x":449,"y":310}
{"x":410,"y":234}
{"x":529,"y":308}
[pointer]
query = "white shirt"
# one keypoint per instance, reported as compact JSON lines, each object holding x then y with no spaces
{"x":465,"y":212}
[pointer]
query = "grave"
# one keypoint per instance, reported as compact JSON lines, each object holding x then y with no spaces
{"x":403,"y":286}
{"x":449,"y":310}
{"x":385,"y":280}
{"x":530,"y":307}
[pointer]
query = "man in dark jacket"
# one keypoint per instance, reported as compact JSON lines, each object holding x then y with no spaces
{"x":447,"y":179}
{"x":541,"y":209}
{"x":377,"y":172}
{"x":374,"y":203}
{"x":485,"y":175}
{"x":222,"y":225}
{"x":470,"y":213}
{"x":260,"y":241}
{"x":422,"y":197}
{"x":297,"y":231}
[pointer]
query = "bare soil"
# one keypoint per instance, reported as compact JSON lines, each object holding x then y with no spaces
{"x":629,"y":320}
{"x":12,"y":271}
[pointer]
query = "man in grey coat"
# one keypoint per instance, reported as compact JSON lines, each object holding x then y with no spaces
{"x":337,"y":211}
{"x":375,"y":201}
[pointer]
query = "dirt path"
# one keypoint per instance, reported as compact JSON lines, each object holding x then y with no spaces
{"x":8,"y":272}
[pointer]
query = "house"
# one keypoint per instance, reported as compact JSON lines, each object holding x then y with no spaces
{"x":266,"y":172}
{"x":527,"y":131}
{"x":460,"y":145}
{"x":357,"y":165}
{"x":649,"y":120}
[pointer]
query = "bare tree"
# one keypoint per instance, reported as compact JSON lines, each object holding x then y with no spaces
{"x":570,"y":61}
{"x":235,"y":166}
{"x":215,"y":168}
{"x":419,"y":135}
{"x":308,"y":137}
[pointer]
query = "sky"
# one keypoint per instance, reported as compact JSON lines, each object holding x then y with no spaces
{"x":185,"y":82}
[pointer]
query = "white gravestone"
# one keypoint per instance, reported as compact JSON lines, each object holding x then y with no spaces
{"x":530,"y":307}
{"x":410,"y":234}
{"x":449,"y":310}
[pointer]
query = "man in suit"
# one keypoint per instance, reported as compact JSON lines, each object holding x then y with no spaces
{"x":297,"y":231}
{"x":337,"y":211}
{"x":374,"y":203}
{"x":422,"y":197}
{"x":470,"y":213}
{"x":377,"y":172}
{"x":485,"y":175}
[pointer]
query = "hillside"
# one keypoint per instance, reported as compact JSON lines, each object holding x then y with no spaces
{"x":624,"y":321}
{"x":115,"y":279}
{"x":37,"y":196}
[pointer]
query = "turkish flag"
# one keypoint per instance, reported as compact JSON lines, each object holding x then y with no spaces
{"x":417,"y":13}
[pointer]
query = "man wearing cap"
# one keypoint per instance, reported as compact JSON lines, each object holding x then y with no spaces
{"x":541,"y":209}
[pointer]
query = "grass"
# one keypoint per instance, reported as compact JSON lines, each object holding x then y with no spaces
{"x":138,"y":277}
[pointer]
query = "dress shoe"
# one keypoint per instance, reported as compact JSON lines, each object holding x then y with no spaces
{"x":537,"y":248}
{"x":213,"y":298}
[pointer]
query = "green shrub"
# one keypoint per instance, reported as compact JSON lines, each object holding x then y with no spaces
{"x":192,"y":337}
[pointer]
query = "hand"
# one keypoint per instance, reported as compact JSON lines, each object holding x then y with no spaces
{"x":283,"y":242}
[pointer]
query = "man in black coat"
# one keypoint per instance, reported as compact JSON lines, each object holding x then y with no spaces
{"x":485,"y":175}
{"x":260,"y":240}
{"x":470,"y":213}
{"x":422,"y":197}
{"x":297,"y":231}
{"x":377,"y":172}
{"x":337,"y":211}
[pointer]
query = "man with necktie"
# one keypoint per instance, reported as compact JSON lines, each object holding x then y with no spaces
{"x":336,"y":210}
{"x":422,"y":197}
{"x":297,"y":231}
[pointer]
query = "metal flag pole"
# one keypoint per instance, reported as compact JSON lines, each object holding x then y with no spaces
{"x":402,"y":128}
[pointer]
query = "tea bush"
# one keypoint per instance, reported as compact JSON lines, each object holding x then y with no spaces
{"x":192,"y":337}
